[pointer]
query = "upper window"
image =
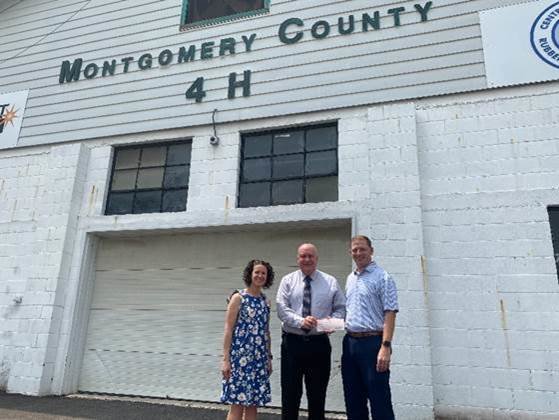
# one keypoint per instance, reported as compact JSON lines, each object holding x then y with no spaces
{"x":553,"y":212}
{"x":149,"y":179}
{"x":208,"y":11}
{"x":289,"y":166}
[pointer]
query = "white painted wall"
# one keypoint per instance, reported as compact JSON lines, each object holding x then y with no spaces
{"x":452,"y":190}
{"x":40,"y":191}
{"x":211,"y":203}
{"x":489,"y":166}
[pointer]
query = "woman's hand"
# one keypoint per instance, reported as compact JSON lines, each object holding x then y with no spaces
{"x":226,"y":369}
{"x":270,"y":367}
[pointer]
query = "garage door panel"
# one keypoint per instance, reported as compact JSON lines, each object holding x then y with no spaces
{"x":179,"y":289}
{"x":154,"y":374}
{"x":158,"y":308}
{"x":207,"y":250}
{"x":198,"y":251}
{"x":166,"y":331}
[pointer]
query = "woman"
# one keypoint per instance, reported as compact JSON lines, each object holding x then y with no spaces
{"x":247,"y":357}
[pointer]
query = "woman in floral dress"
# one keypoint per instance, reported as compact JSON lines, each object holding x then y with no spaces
{"x":247,"y":357}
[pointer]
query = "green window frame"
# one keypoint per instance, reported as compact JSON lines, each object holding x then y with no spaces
{"x":188,"y":21}
{"x":289,"y":166}
{"x":149,"y":178}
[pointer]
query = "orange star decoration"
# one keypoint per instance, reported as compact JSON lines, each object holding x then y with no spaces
{"x":9,"y":116}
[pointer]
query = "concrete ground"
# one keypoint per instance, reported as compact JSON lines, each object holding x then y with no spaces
{"x":15,"y":406}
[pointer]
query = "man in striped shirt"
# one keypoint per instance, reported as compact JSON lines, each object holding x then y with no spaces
{"x":371,"y":306}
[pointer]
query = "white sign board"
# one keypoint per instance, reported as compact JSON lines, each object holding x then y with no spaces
{"x":12,"y":108}
{"x":521,"y":43}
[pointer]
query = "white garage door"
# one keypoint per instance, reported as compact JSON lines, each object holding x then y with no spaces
{"x":157,"y":314}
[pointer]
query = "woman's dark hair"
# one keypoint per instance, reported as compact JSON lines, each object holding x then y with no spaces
{"x":247,"y":273}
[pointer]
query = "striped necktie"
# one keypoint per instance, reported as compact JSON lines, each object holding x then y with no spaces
{"x":307,"y":297}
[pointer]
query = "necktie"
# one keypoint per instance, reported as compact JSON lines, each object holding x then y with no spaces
{"x":307,"y":297}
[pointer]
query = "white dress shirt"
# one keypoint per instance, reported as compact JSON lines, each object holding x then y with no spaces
{"x":327,"y":300}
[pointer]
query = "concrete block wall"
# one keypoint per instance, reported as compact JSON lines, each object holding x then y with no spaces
{"x":453,"y":191}
{"x":36,"y":195}
{"x":392,"y":219}
{"x":489,"y":166}
{"x":22,"y":291}
{"x":213,"y":172}
{"x":76,"y":157}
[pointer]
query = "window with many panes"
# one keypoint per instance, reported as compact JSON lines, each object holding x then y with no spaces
{"x":149,"y":179}
{"x":197,"y":12}
{"x":298,"y":165}
{"x":553,"y":212}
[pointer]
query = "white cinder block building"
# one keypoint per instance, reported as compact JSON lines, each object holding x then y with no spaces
{"x":148,"y":150}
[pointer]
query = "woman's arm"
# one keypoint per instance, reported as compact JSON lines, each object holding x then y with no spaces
{"x":230,"y":321}
{"x":269,"y":339}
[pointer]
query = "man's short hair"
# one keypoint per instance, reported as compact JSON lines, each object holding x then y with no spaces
{"x":308,"y":244}
{"x":362,"y":238}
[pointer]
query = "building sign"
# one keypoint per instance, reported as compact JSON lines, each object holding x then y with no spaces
{"x":521,"y":43}
{"x":12,"y":107}
{"x":545,"y":35}
{"x":290,"y":31}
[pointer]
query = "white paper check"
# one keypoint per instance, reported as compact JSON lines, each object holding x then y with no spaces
{"x":330,"y":324}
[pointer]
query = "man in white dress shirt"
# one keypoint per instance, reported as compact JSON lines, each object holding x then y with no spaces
{"x":304,"y":297}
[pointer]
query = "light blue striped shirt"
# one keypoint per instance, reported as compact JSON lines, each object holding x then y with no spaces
{"x":369,"y":293}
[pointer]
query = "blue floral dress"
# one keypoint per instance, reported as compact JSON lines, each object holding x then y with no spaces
{"x":249,"y":384}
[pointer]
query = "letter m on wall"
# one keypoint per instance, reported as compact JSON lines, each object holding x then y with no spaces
{"x":69,"y":72}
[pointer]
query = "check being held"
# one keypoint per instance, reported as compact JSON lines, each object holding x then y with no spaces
{"x":330,"y":324}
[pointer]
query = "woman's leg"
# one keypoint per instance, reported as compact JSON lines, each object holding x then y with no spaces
{"x":250,"y":412}
{"x":235,"y":412}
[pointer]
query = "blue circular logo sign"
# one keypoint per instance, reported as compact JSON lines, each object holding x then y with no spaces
{"x":545,"y":35}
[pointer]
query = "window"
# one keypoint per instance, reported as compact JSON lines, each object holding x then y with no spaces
{"x":553,"y":212}
{"x":149,"y":179}
{"x":289,"y":166}
{"x":208,"y":11}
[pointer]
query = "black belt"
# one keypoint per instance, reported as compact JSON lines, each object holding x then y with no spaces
{"x":363,"y":334}
{"x":305,"y":337}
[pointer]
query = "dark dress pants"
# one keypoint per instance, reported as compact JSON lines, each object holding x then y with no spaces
{"x":304,"y":357}
{"x":362,"y":382}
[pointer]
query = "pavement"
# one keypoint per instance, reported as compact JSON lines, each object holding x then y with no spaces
{"x":86,"y":406}
{"x":14,"y":406}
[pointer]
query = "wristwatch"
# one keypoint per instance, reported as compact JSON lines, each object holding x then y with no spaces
{"x":387,"y":343}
